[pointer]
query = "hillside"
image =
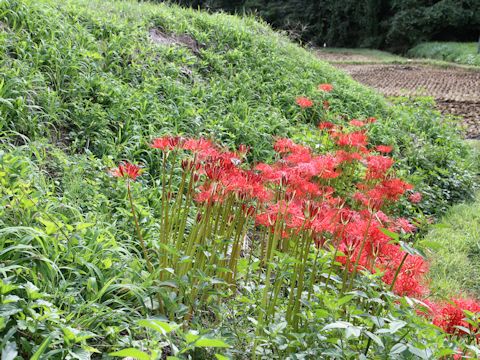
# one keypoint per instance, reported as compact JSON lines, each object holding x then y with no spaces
{"x":131,"y":226}
{"x":107,"y":76}
{"x":103,"y":75}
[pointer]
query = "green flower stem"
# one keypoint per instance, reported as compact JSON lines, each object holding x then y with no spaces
{"x":357,"y":260}
{"x":139,"y":232}
{"x":392,"y":285}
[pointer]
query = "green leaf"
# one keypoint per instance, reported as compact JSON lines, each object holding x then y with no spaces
{"x":344,"y":300}
{"x":221,"y":357}
{"x":191,"y":337}
{"x":131,"y":352}
{"x":159,"y":326}
{"x":10,"y":351}
{"x":397,"y":349}
{"x":444,"y":352}
{"x":337,"y":325}
{"x":423,"y":354}
{"x":204,"y":342}
{"x":353,"y":331}
{"x":50,"y":227}
{"x":396,"y":325}
{"x":42,"y":348}
{"x":411,"y":250}
{"x":375,"y":338}
{"x":390,"y":234}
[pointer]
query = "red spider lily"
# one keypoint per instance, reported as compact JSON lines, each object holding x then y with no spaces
{"x":326,"y":125}
{"x":284,"y":145}
{"x":371,"y":120}
{"x":403,"y":225}
{"x":410,"y":279}
{"x":415,"y":198}
{"x":243,"y":150}
{"x":304,"y":102}
{"x":298,"y":194}
{"x":384,"y":149}
{"x":356,"y":139}
{"x":449,"y":315}
{"x":394,"y":188}
{"x":357,"y":123}
{"x":166,"y":143}
{"x":127,"y":170}
{"x":325,"y":87}
{"x":198,"y":145}
{"x":347,"y":157}
{"x":377,"y":166}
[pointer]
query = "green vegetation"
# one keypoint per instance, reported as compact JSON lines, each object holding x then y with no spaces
{"x":89,"y":77}
{"x":86,"y":84}
{"x":460,"y":53}
{"x":455,"y":255}
{"x":455,"y":266}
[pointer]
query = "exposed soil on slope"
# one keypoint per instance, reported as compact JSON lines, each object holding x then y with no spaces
{"x":456,"y":90}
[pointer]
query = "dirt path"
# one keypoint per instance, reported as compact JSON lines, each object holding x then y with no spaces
{"x":456,"y":90}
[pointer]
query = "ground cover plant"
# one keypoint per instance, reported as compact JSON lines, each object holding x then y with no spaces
{"x":207,"y":201}
{"x":461,"y":53}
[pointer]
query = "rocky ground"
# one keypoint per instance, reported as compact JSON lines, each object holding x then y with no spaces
{"x":455,"y":89}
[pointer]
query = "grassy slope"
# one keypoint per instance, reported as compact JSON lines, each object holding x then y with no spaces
{"x":456,"y":261}
{"x":91,"y":72}
{"x":461,"y":53}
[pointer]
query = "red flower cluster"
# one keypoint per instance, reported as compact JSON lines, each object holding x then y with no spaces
{"x":304,"y":102}
{"x":126,"y":170}
{"x":415,"y":198}
{"x":339,"y":195}
{"x":300,"y":191}
{"x":325,"y":87}
{"x":450,"y":315}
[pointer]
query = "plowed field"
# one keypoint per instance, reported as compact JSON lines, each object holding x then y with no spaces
{"x":456,"y":90}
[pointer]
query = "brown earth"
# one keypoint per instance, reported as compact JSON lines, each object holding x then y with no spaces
{"x":456,"y":90}
{"x":161,"y":37}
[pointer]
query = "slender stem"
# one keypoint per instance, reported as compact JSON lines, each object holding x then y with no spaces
{"x":139,"y":232}
{"x":398,"y":271}
{"x":313,"y":278}
{"x":359,"y":255}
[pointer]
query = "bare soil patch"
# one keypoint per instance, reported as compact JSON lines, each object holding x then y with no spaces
{"x":160,"y":37}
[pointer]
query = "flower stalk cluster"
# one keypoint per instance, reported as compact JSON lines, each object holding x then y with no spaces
{"x":298,"y":209}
